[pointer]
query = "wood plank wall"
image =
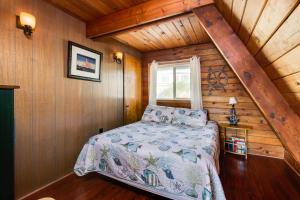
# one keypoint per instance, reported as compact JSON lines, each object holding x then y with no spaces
{"x":262,"y":140}
{"x":54,"y":115}
{"x":267,"y":28}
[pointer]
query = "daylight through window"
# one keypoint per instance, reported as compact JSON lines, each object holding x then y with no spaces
{"x":173,"y":82}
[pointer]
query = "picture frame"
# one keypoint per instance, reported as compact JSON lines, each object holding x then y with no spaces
{"x":84,"y":63}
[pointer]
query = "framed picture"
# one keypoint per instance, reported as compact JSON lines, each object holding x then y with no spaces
{"x":84,"y":63}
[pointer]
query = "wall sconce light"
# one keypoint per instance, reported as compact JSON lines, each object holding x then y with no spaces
{"x":118,"y":56}
{"x":26,"y":22}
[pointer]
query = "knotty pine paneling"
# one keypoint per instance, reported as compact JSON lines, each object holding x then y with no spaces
{"x":54,"y":115}
{"x":268,"y":29}
{"x":262,"y":139}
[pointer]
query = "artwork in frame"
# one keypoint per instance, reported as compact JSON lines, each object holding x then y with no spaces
{"x":84,"y":63}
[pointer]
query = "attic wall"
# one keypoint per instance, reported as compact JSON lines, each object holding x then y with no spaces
{"x":262,"y":139}
{"x":271,"y":31}
{"x":54,"y":115}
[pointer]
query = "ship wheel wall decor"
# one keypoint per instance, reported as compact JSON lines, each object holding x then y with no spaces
{"x":217,"y":79}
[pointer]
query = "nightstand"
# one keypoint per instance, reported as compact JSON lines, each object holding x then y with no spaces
{"x":236,"y":139}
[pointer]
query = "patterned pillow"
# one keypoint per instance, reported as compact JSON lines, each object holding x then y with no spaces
{"x":155,"y":113}
{"x":189,"y":117}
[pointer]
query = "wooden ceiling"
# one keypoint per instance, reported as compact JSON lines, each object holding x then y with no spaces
{"x":269,"y":28}
{"x":271,"y":31}
{"x":88,"y":10}
{"x":181,"y":31}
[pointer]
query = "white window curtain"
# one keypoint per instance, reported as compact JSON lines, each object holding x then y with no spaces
{"x":152,"y":84}
{"x":196,"y":93}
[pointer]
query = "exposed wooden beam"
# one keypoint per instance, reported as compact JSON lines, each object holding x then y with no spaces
{"x":141,"y":14}
{"x":143,"y":26}
{"x":272,"y":104}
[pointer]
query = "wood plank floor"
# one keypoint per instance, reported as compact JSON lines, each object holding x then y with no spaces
{"x":256,"y":178}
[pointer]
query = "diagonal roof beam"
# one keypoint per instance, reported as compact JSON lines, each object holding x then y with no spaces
{"x":140,"y":14}
{"x":267,"y":97}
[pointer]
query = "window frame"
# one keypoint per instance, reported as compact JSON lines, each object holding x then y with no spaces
{"x":174,"y":66}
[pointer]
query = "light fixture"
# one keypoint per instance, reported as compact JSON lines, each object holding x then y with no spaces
{"x":233,"y":120}
{"x":26,"y":22}
{"x":232,"y":101}
{"x":118,"y":56}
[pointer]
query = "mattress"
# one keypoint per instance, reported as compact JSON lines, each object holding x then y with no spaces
{"x":178,"y":162}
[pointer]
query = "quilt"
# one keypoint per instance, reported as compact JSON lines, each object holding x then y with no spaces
{"x":178,"y":162}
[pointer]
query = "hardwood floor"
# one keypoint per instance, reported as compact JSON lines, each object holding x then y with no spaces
{"x":256,"y":178}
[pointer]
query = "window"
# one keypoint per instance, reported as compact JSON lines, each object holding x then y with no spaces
{"x":173,"y":82}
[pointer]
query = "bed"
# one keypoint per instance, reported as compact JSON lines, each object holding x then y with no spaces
{"x":172,"y":160}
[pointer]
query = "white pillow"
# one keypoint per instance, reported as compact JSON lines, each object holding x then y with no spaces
{"x":154,"y":113}
{"x":189,"y":117}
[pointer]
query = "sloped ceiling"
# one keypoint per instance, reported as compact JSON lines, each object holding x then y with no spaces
{"x":271,"y":31}
{"x":269,"y":28}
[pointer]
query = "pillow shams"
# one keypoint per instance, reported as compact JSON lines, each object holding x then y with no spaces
{"x":189,"y":117}
{"x":154,"y":113}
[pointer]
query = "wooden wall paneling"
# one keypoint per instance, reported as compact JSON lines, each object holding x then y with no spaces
{"x":24,"y":107}
{"x":98,"y":93}
{"x":60,"y":90}
{"x":72,"y":89}
{"x":105,"y":72}
{"x":285,"y":65}
{"x":282,"y":118}
{"x":238,"y":9}
{"x":253,"y":10}
{"x":274,"y":13}
{"x":120,"y":87}
{"x":55,"y":115}
{"x":7,"y":43}
{"x":263,"y":140}
{"x":7,"y":13}
{"x":266,"y":149}
{"x":44,"y":95}
{"x":285,"y":38}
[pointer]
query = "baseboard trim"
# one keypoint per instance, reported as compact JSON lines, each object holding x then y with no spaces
{"x":264,"y":155}
{"x":47,"y":185}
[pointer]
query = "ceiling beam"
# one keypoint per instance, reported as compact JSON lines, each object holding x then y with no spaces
{"x":140,"y":14}
{"x":267,"y":97}
{"x":143,"y":26}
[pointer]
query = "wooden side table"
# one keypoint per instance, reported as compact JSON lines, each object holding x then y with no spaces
{"x":237,"y":143}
